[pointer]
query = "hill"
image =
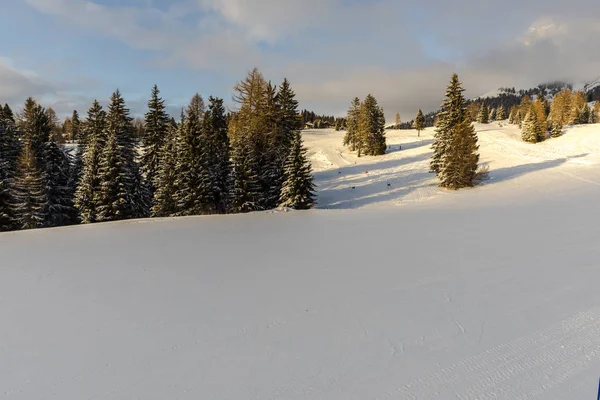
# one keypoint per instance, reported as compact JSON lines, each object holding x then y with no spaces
{"x":484,"y":293}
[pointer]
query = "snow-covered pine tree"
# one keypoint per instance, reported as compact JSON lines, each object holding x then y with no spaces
{"x":7,"y":172}
{"x":274,"y":150}
{"x":500,"y":113}
{"x":492,"y":114}
{"x":157,"y":123}
{"x":371,"y":128}
{"x":193,"y":194}
{"x":245,"y":188}
{"x":352,"y":124}
{"x":452,"y":113}
{"x":419,"y":122}
{"x":164,"y":204}
{"x":87,"y":193}
{"x":290,"y":120}
{"x":34,"y":127}
{"x":530,"y":127}
{"x":459,"y":163}
{"x":214,"y":130}
{"x":28,"y":190}
{"x":58,"y":209}
{"x":121,"y":193}
{"x":298,"y":190}
{"x":484,"y":114}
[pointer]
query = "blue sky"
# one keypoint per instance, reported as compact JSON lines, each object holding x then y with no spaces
{"x":65,"y":53}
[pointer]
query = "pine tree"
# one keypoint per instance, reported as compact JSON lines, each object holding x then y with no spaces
{"x":352,"y":124}
{"x":214,"y":130}
{"x":371,"y":128}
{"x":452,"y":114}
{"x":500,"y":113}
{"x":298,"y":190}
{"x":493,"y":114}
{"x":56,"y":129}
{"x":121,"y":191}
{"x":87,"y":194}
{"x":156,"y":125}
{"x":459,"y":163}
{"x":531,"y":128}
{"x":28,"y":190}
{"x":398,"y":121}
{"x":419,"y":123}
{"x":35,"y":129}
{"x":595,"y":113}
{"x":484,"y":114}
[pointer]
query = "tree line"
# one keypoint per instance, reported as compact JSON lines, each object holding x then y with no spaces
{"x":208,"y":162}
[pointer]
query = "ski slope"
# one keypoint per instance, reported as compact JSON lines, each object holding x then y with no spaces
{"x":407,"y":292}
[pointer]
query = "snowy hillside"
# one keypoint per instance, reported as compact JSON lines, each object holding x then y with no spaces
{"x":489,"y":293}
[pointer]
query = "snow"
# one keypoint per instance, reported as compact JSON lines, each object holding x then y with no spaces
{"x":414,"y":293}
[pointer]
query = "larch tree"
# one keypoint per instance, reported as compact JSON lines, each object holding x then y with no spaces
{"x":419,"y":123}
{"x":398,"y":121}
{"x":298,"y":190}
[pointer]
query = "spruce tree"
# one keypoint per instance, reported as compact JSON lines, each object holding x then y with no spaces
{"x":214,"y":130}
{"x":193,"y":195}
{"x":452,"y":113}
{"x":163,"y":204}
{"x":352,"y":124}
{"x":8,"y":148}
{"x":556,"y":129}
{"x":58,"y":207}
{"x":245,"y":189}
{"x":530,"y":128}
{"x":484,"y":114}
{"x":28,"y":190}
{"x":459,"y":163}
{"x":419,"y":123}
{"x":75,"y":133}
{"x":298,"y":190}
{"x":500,"y":113}
{"x":398,"y":121}
{"x":121,"y":191}
{"x":156,"y":127}
{"x":34,"y":127}
{"x":371,"y":128}
{"x":87,"y":194}
{"x":493,"y":114}
{"x":584,"y":118}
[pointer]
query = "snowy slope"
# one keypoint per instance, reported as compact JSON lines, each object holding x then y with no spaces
{"x":490,"y":293}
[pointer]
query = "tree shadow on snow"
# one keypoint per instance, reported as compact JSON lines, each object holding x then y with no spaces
{"x":338,"y":190}
{"x":508,"y":173}
{"x":394,"y":148}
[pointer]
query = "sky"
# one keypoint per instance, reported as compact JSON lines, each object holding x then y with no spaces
{"x":66,"y":53}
